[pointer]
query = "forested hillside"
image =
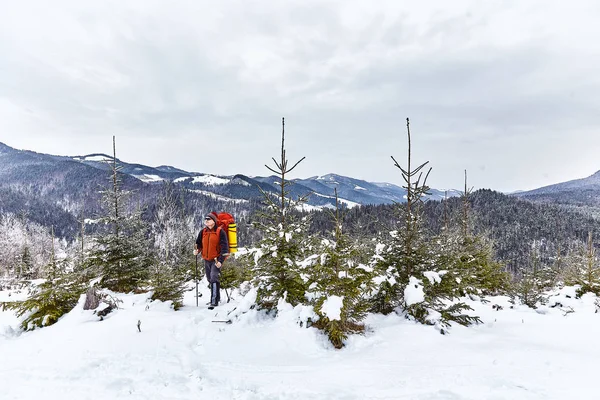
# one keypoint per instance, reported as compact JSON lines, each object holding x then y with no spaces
{"x":512,"y":223}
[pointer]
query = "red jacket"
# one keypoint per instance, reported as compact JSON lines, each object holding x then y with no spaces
{"x":210,"y":243}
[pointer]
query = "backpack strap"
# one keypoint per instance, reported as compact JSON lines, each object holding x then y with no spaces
{"x":224,"y":252}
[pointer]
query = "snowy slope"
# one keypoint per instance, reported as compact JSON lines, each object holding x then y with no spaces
{"x":516,"y":354}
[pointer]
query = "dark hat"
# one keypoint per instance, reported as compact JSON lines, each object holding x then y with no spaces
{"x":212,"y":216}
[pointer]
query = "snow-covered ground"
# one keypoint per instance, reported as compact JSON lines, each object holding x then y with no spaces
{"x":206,"y":179}
{"x":517,"y":353}
{"x":149,"y":178}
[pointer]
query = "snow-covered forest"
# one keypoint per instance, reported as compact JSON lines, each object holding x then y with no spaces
{"x":396,"y":314}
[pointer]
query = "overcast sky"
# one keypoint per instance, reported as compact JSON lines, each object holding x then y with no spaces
{"x":508,"y":90}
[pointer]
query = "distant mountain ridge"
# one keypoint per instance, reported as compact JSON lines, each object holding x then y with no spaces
{"x":351,"y":191}
{"x":576,"y":192}
{"x":59,"y":192}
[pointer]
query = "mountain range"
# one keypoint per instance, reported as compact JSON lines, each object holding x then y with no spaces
{"x":583,"y":192}
{"x":60,"y":192}
{"x":19,"y":168}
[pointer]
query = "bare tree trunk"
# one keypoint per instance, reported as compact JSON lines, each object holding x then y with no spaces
{"x":91,"y":299}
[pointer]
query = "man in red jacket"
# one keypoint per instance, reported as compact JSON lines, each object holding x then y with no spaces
{"x":212,"y":244}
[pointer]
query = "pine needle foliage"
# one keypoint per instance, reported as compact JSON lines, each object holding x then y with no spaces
{"x":583,"y":269}
{"x":277,"y":265}
{"x":411,"y":262}
{"x":50,"y":300}
{"x":26,"y":269}
{"x":338,"y":273}
{"x":529,"y":288}
{"x":407,"y":253}
{"x":121,"y":255}
{"x":469,"y":258}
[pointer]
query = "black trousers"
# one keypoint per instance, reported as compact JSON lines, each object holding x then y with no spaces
{"x":213,"y":274}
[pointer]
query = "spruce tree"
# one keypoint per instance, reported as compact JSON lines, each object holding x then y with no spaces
{"x":337,"y":276}
{"x":583,"y":269}
{"x":50,"y":300}
{"x":26,"y":270}
{"x":407,"y":252}
{"x":413,"y":278}
{"x":276,"y":264}
{"x":529,"y":288}
{"x":468,"y":257}
{"x":122,"y":255}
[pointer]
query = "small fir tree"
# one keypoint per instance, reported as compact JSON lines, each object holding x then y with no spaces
{"x":469,"y":258}
{"x":413,"y":278}
{"x":337,"y":276}
{"x":276,"y":264}
{"x":122,"y":255}
{"x":529,"y":289}
{"x":583,"y":269}
{"x":50,"y":300}
{"x":26,"y":269}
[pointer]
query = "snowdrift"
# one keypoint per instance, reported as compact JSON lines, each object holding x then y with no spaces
{"x":517,"y":353}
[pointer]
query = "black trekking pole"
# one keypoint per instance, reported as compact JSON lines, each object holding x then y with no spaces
{"x":196,"y":277}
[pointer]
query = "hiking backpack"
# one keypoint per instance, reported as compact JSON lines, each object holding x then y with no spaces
{"x":226,"y":222}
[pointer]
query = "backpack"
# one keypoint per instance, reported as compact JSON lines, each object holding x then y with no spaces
{"x":226,"y":222}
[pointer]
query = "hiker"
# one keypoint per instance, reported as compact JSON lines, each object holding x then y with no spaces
{"x":209,"y":244}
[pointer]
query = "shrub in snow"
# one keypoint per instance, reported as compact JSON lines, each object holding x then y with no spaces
{"x":339,"y":287}
{"x":583,"y":269}
{"x":470,"y":265}
{"x":530,"y":287}
{"x":55,"y":296}
{"x":234,"y":273}
{"x":299,"y":314}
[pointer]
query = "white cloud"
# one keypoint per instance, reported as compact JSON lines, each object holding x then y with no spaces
{"x":487,"y":85}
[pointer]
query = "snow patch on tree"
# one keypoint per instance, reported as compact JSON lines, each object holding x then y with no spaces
{"x":299,"y":314}
{"x":413,"y":293}
{"x":332,"y":307}
{"x":433,"y":277}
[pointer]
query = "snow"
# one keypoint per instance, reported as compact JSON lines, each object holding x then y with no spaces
{"x":308,"y":207}
{"x":350,"y":204}
{"x":433,"y":277}
{"x":516,"y":354}
{"x":94,"y":158}
{"x":413,"y":293}
{"x":238,"y":181}
{"x":148,"y":177}
{"x":332,"y":307}
{"x":356,"y":187}
{"x":205,"y":180}
{"x":219,"y":197}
